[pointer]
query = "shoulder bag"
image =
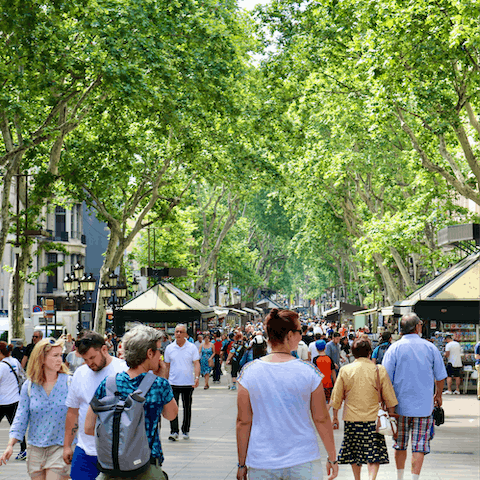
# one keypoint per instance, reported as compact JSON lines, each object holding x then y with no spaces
{"x":386,"y":425}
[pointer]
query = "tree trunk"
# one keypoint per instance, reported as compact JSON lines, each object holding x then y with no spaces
{"x":392,"y":291}
{"x":402,"y":269}
{"x":206,"y":264}
{"x":17,"y":320}
{"x":107,"y":267}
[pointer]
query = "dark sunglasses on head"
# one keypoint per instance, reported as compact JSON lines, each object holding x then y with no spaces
{"x":84,"y":341}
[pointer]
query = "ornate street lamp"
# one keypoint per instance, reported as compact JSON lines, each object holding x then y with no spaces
{"x":113,"y":293}
{"x":79,"y":288}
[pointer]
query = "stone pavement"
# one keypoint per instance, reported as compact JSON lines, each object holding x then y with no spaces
{"x":210,"y":454}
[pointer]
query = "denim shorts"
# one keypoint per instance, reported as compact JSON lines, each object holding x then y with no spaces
{"x":304,"y":471}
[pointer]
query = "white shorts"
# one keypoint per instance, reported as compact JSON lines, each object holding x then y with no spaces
{"x":304,"y":471}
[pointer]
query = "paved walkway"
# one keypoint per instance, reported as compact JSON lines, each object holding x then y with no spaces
{"x":210,"y":454}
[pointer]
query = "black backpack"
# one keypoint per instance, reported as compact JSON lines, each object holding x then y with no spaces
{"x":381,"y":352}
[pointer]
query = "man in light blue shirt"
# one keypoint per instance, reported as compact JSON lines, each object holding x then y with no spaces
{"x":333,"y":350}
{"x":417,"y":372}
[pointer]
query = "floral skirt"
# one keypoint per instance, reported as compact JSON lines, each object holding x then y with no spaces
{"x":362,"y":444}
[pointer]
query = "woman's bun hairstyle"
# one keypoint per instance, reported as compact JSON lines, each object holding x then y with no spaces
{"x":278,"y":323}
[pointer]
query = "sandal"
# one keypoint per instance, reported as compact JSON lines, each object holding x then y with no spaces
{"x":206,"y":387}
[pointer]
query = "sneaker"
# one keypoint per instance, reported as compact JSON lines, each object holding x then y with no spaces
{"x":186,"y":436}
{"x":456,"y":392}
{"x":22,"y":455}
{"x":234,"y":387}
{"x":173,"y":437}
{"x":447,"y":392}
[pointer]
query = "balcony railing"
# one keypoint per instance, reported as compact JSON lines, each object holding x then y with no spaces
{"x":45,"y":287}
{"x":66,"y":236}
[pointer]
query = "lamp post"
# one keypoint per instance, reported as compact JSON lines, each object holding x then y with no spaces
{"x":114,"y":294}
{"x":79,"y":288}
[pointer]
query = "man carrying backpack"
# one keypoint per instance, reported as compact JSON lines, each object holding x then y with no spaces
{"x":379,"y":352}
{"x":130,"y":446}
{"x":86,"y":379}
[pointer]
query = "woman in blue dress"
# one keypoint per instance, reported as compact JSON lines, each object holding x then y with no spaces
{"x":206,"y":359}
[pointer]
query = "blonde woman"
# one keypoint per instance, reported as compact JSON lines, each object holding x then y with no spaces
{"x":42,"y":409}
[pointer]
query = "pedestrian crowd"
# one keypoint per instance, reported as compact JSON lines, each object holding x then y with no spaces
{"x":91,"y":408}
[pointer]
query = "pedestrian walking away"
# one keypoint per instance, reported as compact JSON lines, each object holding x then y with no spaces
{"x":453,"y":354}
{"x":182,"y":361}
{"x":43,"y":410}
{"x":379,"y":352}
{"x":11,"y":378}
{"x":357,"y":387}
{"x":278,"y":397}
{"x":417,"y":372}
{"x":325,"y":364}
{"x":142,"y":346}
{"x":86,"y":379}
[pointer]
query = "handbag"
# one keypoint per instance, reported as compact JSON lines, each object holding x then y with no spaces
{"x":210,"y":362}
{"x":438,"y":416}
{"x":386,"y":425}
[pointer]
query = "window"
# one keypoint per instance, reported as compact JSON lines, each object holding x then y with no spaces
{"x":52,"y":280}
{"x":60,"y":226}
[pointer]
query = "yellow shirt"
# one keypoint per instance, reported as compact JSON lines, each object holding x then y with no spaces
{"x":357,"y":386}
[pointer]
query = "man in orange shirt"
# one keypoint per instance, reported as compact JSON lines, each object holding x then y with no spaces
{"x":326,"y":365}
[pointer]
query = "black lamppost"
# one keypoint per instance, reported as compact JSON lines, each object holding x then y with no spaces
{"x":79,"y":288}
{"x":112,"y":293}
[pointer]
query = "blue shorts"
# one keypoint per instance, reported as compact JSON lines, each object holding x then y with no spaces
{"x":84,"y":467}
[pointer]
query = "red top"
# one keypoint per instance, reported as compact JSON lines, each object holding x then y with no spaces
{"x":325,"y":365}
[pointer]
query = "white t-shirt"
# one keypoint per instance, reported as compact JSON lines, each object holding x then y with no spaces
{"x":313,"y":351}
{"x":74,"y":362}
{"x":302,"y":350}
{"x":282,"y":434}
{"x":8,"y":383}
{"x":455,"y":353}
{"x":181,"y":363}
{"x":84,"y":384}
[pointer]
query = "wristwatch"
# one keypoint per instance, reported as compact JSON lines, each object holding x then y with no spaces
{"x":196,"y":378}
{"x":332,"y":463}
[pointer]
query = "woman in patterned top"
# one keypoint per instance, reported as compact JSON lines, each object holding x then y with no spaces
{"x":42,"y":409}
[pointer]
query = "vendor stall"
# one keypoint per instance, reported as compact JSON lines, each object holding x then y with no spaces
{"x":164,"y":306}
{"x":450,"y":304}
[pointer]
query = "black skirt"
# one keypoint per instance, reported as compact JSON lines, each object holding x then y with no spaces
{"x":362,"y":444}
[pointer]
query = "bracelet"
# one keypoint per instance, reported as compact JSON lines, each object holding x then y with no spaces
{"x":241,"y":466}
{"x":332,"y":463}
